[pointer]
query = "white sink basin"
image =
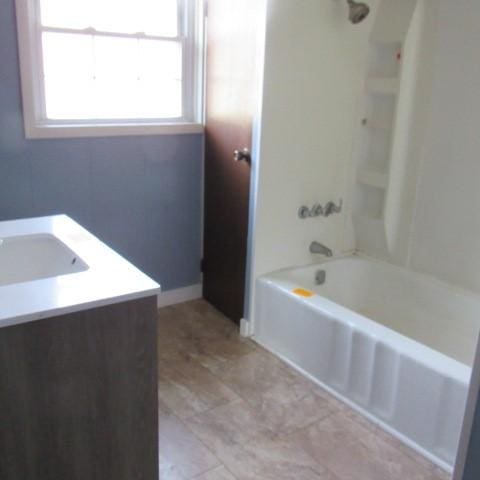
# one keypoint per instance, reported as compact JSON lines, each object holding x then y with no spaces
{"x":31,"y":257}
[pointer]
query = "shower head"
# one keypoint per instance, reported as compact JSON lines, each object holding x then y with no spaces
{"x":358,"y":11}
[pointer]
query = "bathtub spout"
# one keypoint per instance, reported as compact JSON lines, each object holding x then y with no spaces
{"x":316,"y":247}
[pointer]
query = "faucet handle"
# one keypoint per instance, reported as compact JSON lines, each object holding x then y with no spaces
{"x":331,"y":208}
{"x":316,"y":210}
{"x":303,"y":212}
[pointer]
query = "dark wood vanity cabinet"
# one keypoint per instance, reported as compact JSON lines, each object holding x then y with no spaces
{"x":78,"y":395}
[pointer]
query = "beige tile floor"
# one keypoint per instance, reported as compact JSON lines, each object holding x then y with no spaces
{"x":229,"y":410}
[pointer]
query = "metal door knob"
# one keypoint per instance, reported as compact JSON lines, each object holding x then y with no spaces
{"x":242,"y":155}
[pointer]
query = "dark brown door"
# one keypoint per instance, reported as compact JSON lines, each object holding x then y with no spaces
{"x":231,"y":85}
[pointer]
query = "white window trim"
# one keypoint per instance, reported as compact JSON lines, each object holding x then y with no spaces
{"x":37,"y":126}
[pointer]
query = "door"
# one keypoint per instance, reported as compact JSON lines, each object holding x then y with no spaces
{"x":231,"y":87}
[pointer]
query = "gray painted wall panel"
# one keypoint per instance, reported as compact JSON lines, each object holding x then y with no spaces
{"x":141,"y":195}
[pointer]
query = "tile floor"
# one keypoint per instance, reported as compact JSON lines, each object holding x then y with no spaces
{"x":229,"y":410}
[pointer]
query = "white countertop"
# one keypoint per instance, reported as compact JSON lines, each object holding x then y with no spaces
{"x":109,"y":279}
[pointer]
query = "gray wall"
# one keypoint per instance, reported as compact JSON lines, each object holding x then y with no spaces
{"x":141,"y":195}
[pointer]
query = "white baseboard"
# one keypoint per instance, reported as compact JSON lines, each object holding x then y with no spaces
{"x":246,"y":328}
{"x":171,"y":297}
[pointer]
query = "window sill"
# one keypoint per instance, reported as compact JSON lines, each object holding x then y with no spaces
{"x":110,"y":130}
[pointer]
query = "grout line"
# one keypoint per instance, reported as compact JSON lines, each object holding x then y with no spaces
{"x":185,"y":424}
{"x":205,"y":471}
{"x":209,"y":410}
{"x":222,"y":465}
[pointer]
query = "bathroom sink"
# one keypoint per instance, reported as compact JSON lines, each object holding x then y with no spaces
{"x":32,"y":257}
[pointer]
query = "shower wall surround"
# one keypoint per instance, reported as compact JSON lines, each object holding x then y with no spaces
{"x":445,"y":233}
{"x":429,"y":213}
{"x":383,"y":130}
{"x":311,"y":112}
{"x":141,"y":195}
{"x":314,"y":65}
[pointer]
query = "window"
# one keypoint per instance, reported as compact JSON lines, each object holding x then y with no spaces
{"x":109,"y":67}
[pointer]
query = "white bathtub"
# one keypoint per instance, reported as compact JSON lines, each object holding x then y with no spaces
{"x":395,"y":345}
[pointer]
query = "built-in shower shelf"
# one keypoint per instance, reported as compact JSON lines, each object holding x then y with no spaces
{"x":372,"y":221}
{"x":377,"y":148}
{"x":372,"y":178}
{"x":378,"y":126}
{"x":383,"y":85}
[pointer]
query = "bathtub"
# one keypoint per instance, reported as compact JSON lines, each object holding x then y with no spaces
{"x":395,"y":345}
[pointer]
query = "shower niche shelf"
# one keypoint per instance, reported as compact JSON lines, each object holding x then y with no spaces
{"x":374,"y":147}
{"x":379,"y":126}
{"x":379,"y":110}
{"x":372,"y":178}
{"x":382,"y":85}
{"x":384,"y":59}
{"x":371,"y":201}
{"x":373,"y":155}
{"x":375,"y":142}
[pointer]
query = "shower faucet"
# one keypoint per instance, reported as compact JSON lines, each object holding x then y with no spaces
{"x":305,"y":212}
{"x":318,"y":248}
{"x":318,"y":211}
{"x":330,"y":208}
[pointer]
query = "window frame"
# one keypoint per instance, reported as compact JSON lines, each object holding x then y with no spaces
{"x":33,"y":93}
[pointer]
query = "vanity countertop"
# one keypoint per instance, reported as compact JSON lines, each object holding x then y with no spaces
{"x":109,"y":278}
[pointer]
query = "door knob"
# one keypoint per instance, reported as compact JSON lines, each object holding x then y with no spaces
{"x":242,"y":155}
